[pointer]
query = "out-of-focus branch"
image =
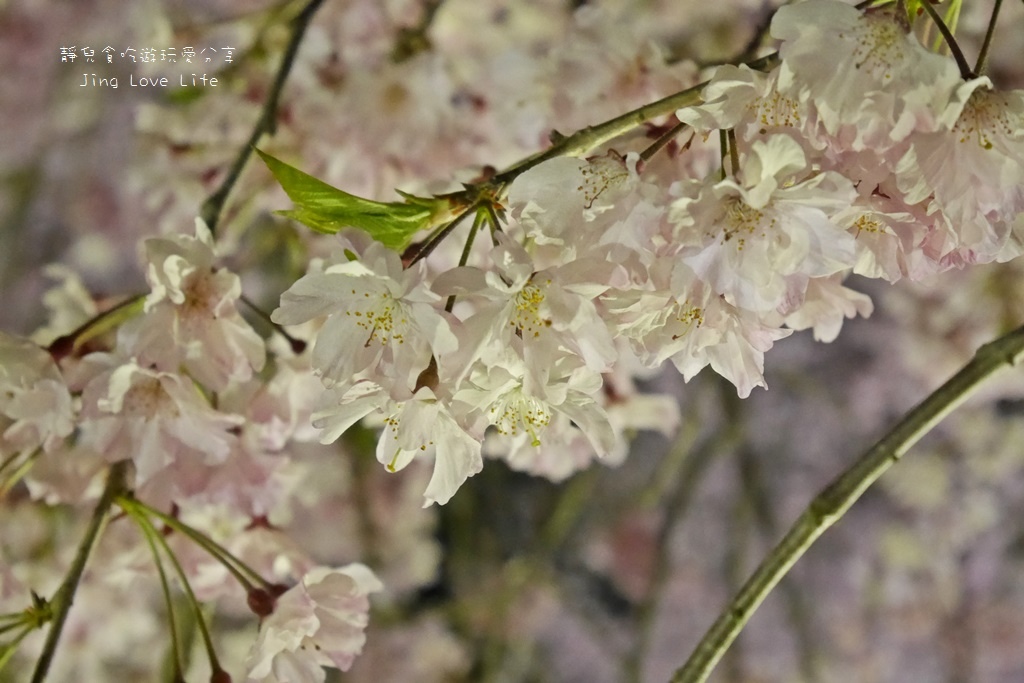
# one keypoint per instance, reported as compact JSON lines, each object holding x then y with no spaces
{"x":796,"y":604}
{"x":267,"y":122}
{"x":832,"y":503}
{"x":413,"y":39}
{"x":65,"y":595}
{"x":685,"y":466}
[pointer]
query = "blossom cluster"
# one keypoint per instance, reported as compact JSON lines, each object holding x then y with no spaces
{"x":859,"y":151}
{"x":850,"y":156}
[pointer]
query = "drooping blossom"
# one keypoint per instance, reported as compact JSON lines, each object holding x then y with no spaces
{"x":870,"y":80}
{"x":757,"y":240}
{"x":420,"y":425}
{"x":319,"y":622}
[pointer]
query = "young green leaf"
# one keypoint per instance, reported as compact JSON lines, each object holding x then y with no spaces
{"x":327,"y":209}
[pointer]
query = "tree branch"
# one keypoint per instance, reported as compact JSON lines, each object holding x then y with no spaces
{"x":267,"y":122}
{"x":592,"y":137}
{"x":830,"y":505}
{"x":65,"y":595}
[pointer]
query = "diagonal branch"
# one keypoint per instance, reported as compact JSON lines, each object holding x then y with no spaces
{"x":830,"y":505}
{"x":65,"y":595}
{"x":589,"y":138}
{"x":267,"y":122}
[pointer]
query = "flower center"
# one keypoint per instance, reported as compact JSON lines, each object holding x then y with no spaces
{"x":148,"y":399}
{"x":868,"y":224}
{"x":985,"y":116}
{"x":381,"y":316}
{"x":526,"y":318}
{"x":519,"y":412}
{"x":742,"y":221}
{"x":880,"y":44}
{"x":689,"y":316}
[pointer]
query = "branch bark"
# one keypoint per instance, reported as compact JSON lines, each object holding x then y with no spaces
{"x":832,"y":503}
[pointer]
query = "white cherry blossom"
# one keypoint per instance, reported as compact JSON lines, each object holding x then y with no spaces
{"x":563,"y":201}
{"x":680,"y":318}
{"x":552,"y":311}
{"x":35,"y":404}
{"x":869,"y":78}
{"x":319,"y":622}
{"x":530,"y":408}
{"x":757,"y":242}
{"x":381,"y":318}
{"x":825,"y":304}
{"x":418,"y":426}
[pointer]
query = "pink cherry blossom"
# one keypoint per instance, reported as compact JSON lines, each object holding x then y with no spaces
{"x":191,"y":319}
{"x":35,"y":404}
{"x":319,"y":622}
{"x":867,"y":75}
{"x":757,"y":242}
{"x":156,"y":419}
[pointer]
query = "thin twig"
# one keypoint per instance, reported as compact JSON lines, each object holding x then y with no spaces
{"x":413,"y":39}
{"x":796,"y":604}
{"x":478,"y":221}
{"x":688,"y":465}
{"x":947,"y":35}
{"x":979,"y":67}
{"x":267,"y":122}
{"x":431,"y":245}
{"x":662,"y":140}
{"x":592,"y":137}
{"x":830,"y":505}
{"x":65,"y":595}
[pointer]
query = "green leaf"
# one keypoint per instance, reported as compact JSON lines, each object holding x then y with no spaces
{"x":327,"y":209}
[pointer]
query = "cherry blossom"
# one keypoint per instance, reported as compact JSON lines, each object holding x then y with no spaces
{"x":980,"y":148}
{"x":35,"y":404}
{"x":155,"y":419}
{"x":191,"y":317}
{"x":318,"y":623}
{"x":419,"y":426}
{"x":551,"y":310}
{"x":530,"y":407}
{"x":871,"y":82}
{"x":380,"y":318}
{"x":757,"y":242}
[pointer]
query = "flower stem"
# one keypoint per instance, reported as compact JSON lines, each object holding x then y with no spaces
{"x":148,"y":533}
{"x":151,"y":532}
{"x":979,"y":67}
{"x":65,"y":595}
{"x":662,"y":140}
{"x":297,"y":345}
{"x":427,"y":248}
{"x":236,"y":567}
{"x":478,"y":221}
{"x":947,"y":35}
{"x":734,"y":153}
{"x":413,"y":39}
{"x":723,"y":152}
{"x":831,"y":503}
{"x":212,"y":208}
{"x":94,"y":327}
